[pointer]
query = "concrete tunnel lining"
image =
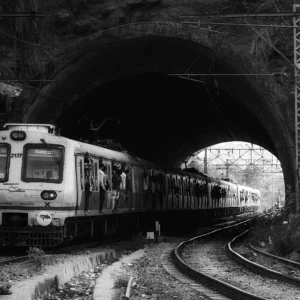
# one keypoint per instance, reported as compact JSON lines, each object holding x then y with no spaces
{"x":161,"y":47}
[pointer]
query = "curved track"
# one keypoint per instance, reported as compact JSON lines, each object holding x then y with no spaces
{"x":205,"y":258}
{"x":264,"y":263}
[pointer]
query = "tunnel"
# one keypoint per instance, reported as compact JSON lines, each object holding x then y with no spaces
{"x":127,"y":74}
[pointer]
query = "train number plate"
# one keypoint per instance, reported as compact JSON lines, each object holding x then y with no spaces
{"x":13,"y":155}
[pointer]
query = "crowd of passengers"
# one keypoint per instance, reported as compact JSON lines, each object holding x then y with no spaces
{"x":120,"y":183}
{"x":153,"y":182}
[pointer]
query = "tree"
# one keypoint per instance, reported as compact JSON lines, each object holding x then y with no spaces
{"x":251,"y":175}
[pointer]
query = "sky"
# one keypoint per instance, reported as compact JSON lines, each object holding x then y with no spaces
{"x":240,"y":154}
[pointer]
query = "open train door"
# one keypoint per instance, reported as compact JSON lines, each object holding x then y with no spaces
{"x":79,"y":163}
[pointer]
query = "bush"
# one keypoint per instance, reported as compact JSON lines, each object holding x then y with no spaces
{"x":274,"y":234}
{"x":36,"y":255}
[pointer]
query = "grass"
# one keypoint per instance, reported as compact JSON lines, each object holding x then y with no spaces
{"x":274,"y":234}
{"x":121,"y":281}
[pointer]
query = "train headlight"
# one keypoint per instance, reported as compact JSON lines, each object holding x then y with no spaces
{"x":48,"y":195}
{"x":18,"y":135}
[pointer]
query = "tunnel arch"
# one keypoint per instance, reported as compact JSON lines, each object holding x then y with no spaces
{"x":163,"y":48}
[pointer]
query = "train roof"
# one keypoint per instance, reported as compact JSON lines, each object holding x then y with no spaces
{"x":249,"y":189}
{"x":121,"y":156}
{"x":97,"y":150}
{"x":42,"y":128}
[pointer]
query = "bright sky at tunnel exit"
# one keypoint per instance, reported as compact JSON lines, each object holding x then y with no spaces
{"x":243,"y":163}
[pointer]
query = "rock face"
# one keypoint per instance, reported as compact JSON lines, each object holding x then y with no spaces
{"x":67,"y":21}
{"x":63,"y":17}
{"x":82,"y":26}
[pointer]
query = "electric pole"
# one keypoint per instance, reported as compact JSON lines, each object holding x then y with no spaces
{"x":227,"y":169}
{"x":296,"y":21}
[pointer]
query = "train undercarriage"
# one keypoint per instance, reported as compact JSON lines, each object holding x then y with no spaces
{"x":97,"y":227}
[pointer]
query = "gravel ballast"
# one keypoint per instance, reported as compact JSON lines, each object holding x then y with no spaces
{"x":151,"y":281}
{"x":210,"y":258}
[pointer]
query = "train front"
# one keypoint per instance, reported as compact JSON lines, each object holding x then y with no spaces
{"x":31,"y":186}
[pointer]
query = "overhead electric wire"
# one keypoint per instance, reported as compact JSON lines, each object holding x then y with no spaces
{"x":271,"y":45}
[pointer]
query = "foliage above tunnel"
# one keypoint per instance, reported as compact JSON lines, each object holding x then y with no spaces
{"x":32,"y":49}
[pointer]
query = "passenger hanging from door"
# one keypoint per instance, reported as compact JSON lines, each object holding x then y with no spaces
{"x":145,"y":180}
{"x":116,"y":182}
{"x":128,"y":182}
{"x":87,"y":178}
{"x":102,"y":187}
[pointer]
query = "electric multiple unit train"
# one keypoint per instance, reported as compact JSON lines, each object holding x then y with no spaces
{"x":45,"y":199}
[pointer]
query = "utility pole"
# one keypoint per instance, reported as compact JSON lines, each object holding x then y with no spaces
{"x":296,"y":23}
{"x":227,"y":169}
{"x":272,"y":191}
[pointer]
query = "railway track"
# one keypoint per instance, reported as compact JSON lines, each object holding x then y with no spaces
{"x":8,"y":260}
{"x":205,"y":258}
{"x":262,"y":262}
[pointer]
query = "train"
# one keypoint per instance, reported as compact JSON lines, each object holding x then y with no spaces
{"x":50,"y":191}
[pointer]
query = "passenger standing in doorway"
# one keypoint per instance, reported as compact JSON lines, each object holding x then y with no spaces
{"x":102,"y":188}
{"x":87,"y":188}
{"x":127,"y":183}
{"x":123,"y":177}
{"x":106,"y":184}
{"x":116,"y":184}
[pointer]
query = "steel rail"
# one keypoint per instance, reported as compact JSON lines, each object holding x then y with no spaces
{"x":214,"y":283}
{"x":257,"y":268}
{"x":13,"y":260}
{"x":281,"y":259}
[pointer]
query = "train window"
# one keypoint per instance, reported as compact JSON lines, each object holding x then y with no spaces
{"x":42,"y":163}
{"x":4,"y":161}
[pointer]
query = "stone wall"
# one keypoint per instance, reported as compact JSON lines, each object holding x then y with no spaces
{"x":33,"y":52}
{"x":33,"y":49}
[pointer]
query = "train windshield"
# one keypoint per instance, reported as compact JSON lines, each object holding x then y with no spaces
{"x":43,"y":163}
{"x":4,"y":153}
